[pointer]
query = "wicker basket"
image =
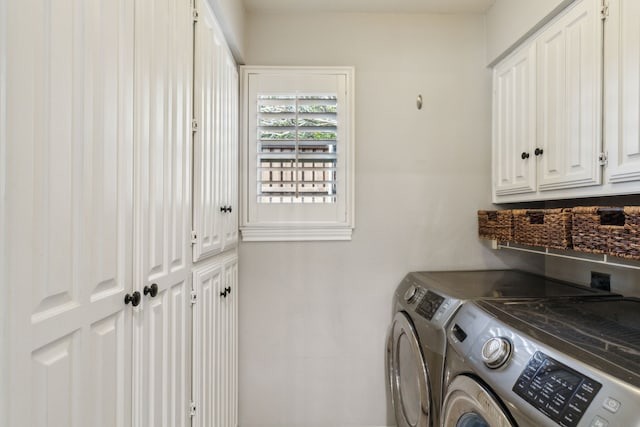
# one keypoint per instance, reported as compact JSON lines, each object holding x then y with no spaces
{"x":495,"y":225}
{"x":611,"y":230}
{"x":549,"y":228}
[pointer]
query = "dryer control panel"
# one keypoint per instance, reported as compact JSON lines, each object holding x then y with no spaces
{"x":429,"y":305}
{"x":559,"y":392}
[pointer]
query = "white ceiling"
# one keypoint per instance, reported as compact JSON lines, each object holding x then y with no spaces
{"x":377,"y":6}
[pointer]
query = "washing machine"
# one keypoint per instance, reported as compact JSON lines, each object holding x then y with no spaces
{"x":543,"y":363}
{"x":423,"y":304}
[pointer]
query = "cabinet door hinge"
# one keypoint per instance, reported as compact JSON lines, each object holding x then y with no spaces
{"x":195,"y":15}
{"x":603,"y":158}
{"x":194,"y":125}
{"x":194,"y":237}
{"x":604,"y":12}
{"x":192,"y":409}
{"x":194,"y":297}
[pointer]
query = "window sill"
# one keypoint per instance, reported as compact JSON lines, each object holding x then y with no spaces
{"x":282,"y":234}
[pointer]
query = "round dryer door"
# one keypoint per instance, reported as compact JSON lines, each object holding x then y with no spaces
{"x":469,"y":404}
{"x":408,"y":375}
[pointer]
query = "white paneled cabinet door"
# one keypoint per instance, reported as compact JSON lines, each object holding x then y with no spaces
{"x":208,"y":207}
{"x":230,"y":144}
{"x":568,"y":107}
{"x":622,"y":90}
{"x":514,"y":123}
{"x":215,"y":140}
{"x":163,"y":114}
{"x":69,"y":211}
{"x":216,"y":344}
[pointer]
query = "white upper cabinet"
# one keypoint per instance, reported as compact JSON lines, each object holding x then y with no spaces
{"x":514,"y":126}
{"x":547,"y":135}
{"x":622,"y":89}
{"x":215,"y":140}
{"x":569,"y":82}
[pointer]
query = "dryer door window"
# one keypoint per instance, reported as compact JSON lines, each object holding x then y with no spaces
{"x":408,"y":375}
{"x":472,"y":420}
{"x":469,"y":404}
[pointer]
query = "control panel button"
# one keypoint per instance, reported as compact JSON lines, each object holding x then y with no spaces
{"x":496,"y":352}
{"x":571,"y":418}
{"x":599,"y":422}
{"x":410,"y":294}
{"x":611,"y":405}
{"x":589,"y":388}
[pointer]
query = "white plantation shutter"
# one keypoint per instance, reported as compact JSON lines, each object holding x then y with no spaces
{"x":296,"y":144}
{"x":297,"y":153}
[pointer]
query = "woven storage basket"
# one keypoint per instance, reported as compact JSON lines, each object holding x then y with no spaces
{"x":611,"y":230}
{"x":549,"y":228}
{"x":495,"y":225}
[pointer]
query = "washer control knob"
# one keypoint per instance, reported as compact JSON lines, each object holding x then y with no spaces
{"x":496,"y":352}
{"x":410,"y":294}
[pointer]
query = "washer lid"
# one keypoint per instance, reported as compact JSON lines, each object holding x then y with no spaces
{"x":481,"y":284}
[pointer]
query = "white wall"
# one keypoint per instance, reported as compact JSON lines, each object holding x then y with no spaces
{"x":313,"y":316}
{"x":509,"y":21}
{"x":4,"y":288}
{"x":231,"y":17}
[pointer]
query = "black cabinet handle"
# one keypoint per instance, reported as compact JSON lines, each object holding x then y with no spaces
{"x":225,"y":208}
{"x":225,"y":292}
{"x":524,"y":155}
{"x":151,"y":290}
{"x":229,"y":209}
{"x":538,"y":152}
{"x":134,"y":299}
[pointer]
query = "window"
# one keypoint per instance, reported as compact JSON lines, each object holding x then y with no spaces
{"x":297,"y":153}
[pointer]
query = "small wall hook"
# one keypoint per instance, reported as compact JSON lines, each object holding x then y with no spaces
{"x":419,"y":102}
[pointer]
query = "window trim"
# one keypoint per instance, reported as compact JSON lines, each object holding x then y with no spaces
{"x":289,"y":229}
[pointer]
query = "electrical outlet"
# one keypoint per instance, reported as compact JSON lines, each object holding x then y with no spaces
{"x":601,"y":281}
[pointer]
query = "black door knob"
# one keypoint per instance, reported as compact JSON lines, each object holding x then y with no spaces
{"x":223,"y":294}
{"x":223,"y":208}
{"x":227,"y":290}
{"x":134,"y":299}
{"x":538,"y":151}
{"x":229,"y":209}
{"x":151,"y":290}
{"x":524,"y":155}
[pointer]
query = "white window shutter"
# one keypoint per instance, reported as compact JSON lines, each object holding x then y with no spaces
{"x":297,"y":153}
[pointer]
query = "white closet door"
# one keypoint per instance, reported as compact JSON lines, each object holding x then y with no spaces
{"x":230,"y":143}
{"x":163,"y":113}
{"x":69,"y":211}
{"x":215,"y":361}
{"x":231,"y":345}
{"x":208,"y":284}
{"x":208,"y":207}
